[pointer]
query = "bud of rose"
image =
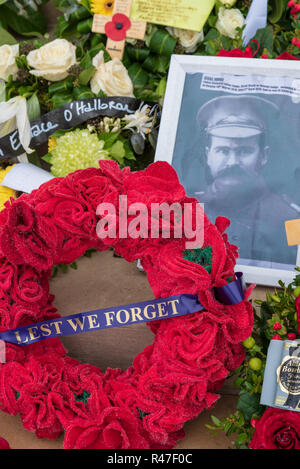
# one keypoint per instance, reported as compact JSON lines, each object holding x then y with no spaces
{"x":277,"y":326}
{"x":291,"y":3}
{"x":291,"y":336}
{"x":294,"y":42}
{"x":253,"y":422}
{"x":255,"y":364}
{"x":249,"y":343}
{"x":276,"y":337}
{"x":264,"y":56}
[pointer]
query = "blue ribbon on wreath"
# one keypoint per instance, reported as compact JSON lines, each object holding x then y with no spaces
{"x":135,"y":313}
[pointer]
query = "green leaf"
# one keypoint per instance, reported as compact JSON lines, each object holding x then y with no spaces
{"x":129,"y":155}
{"x":117,"y":151}
{"x":33,"y":34}
{"x":238,"y":381}
{"x":212,"y":19}
{"x":61,"y":86}
{"x":62,"y":26}
{"x":212,"y":35}
{"x":79,"y":14}
{"x":138,"y":75}
{"x":149,"y":63}
{"x":162,"y":64}
{"x":248,"y":404}
{"x":86,"y":75}
{"x":33,"y":107}
{"x":6,"y":38}
{"x":211,"y":48}
{"x":265,"y":37}
{"x":162,"y":43}
{"x":82,"y":92}
{"x":109,"y":138}
{"x":215,"y":420}
{"x":33,"y":158}
{"x":161,"y":88}
{"x":138,"y":55}
{"x":277,"y":10}
{"x":59,"y":99}
{"x":242,"y":437}
{"x":25,"y":20}
{"x":47,"y":158}
{"x":85,"y":26}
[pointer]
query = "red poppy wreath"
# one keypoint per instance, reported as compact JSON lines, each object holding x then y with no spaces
{"x":172,"y":380}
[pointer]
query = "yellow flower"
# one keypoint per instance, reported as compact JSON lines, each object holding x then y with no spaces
{"x":102,"y":7}
{"x":5,"y":192}
{"x":51,"y":143}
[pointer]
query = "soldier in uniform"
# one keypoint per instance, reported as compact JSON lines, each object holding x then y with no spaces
{"x":236,"y":150}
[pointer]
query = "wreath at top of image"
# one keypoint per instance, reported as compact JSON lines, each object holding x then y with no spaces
{"x":171,"y":381}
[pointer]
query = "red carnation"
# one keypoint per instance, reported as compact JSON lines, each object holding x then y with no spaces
{"x":6,"y":274}
{"x":30,"y":286}
{"x":115,"y":428}
{"x":4,"y":444}
{"x":286,"y":56}
{"x":28,"y":238}
{"x":236,"y":53}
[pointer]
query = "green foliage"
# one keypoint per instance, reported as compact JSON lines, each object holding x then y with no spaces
{"x":6,"y":37}
{"x":278,"y":307}
{"x":265,"y":38}
{"x":234,"y":424}
{"x":200,"y":256}
{"x":23,"y":17}
{"x":33,"y":107}
{"x":277,"y":9}
{"x":162,"y":43}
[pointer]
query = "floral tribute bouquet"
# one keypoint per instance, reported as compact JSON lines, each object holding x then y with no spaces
{"x":254,"y":425}
{"x":34,"y":83}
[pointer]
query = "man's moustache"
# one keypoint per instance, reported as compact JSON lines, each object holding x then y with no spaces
{"x":234,"y":183}
{"x":234,"y":175}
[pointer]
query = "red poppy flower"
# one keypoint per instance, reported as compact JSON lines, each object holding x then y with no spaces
{"x":117,"y":28}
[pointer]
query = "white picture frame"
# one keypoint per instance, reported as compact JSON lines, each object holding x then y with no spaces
{"x":180,"y":66}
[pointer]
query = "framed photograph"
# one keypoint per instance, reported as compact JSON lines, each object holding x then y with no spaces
{"x":231,"y":129}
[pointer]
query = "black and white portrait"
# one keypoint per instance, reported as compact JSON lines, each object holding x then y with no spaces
{"x":237,"y":150}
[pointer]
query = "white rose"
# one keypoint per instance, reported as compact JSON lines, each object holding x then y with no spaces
{"x":228,"y":3}
{"x":111,"y":77}
{"x":8,"y":64}
{"x":52,"y":60}
{"x":188,"y":39}
{"x":228,"y":21}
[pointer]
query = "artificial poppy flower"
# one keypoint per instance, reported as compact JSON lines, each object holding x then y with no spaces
{"x":118,"y":27}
